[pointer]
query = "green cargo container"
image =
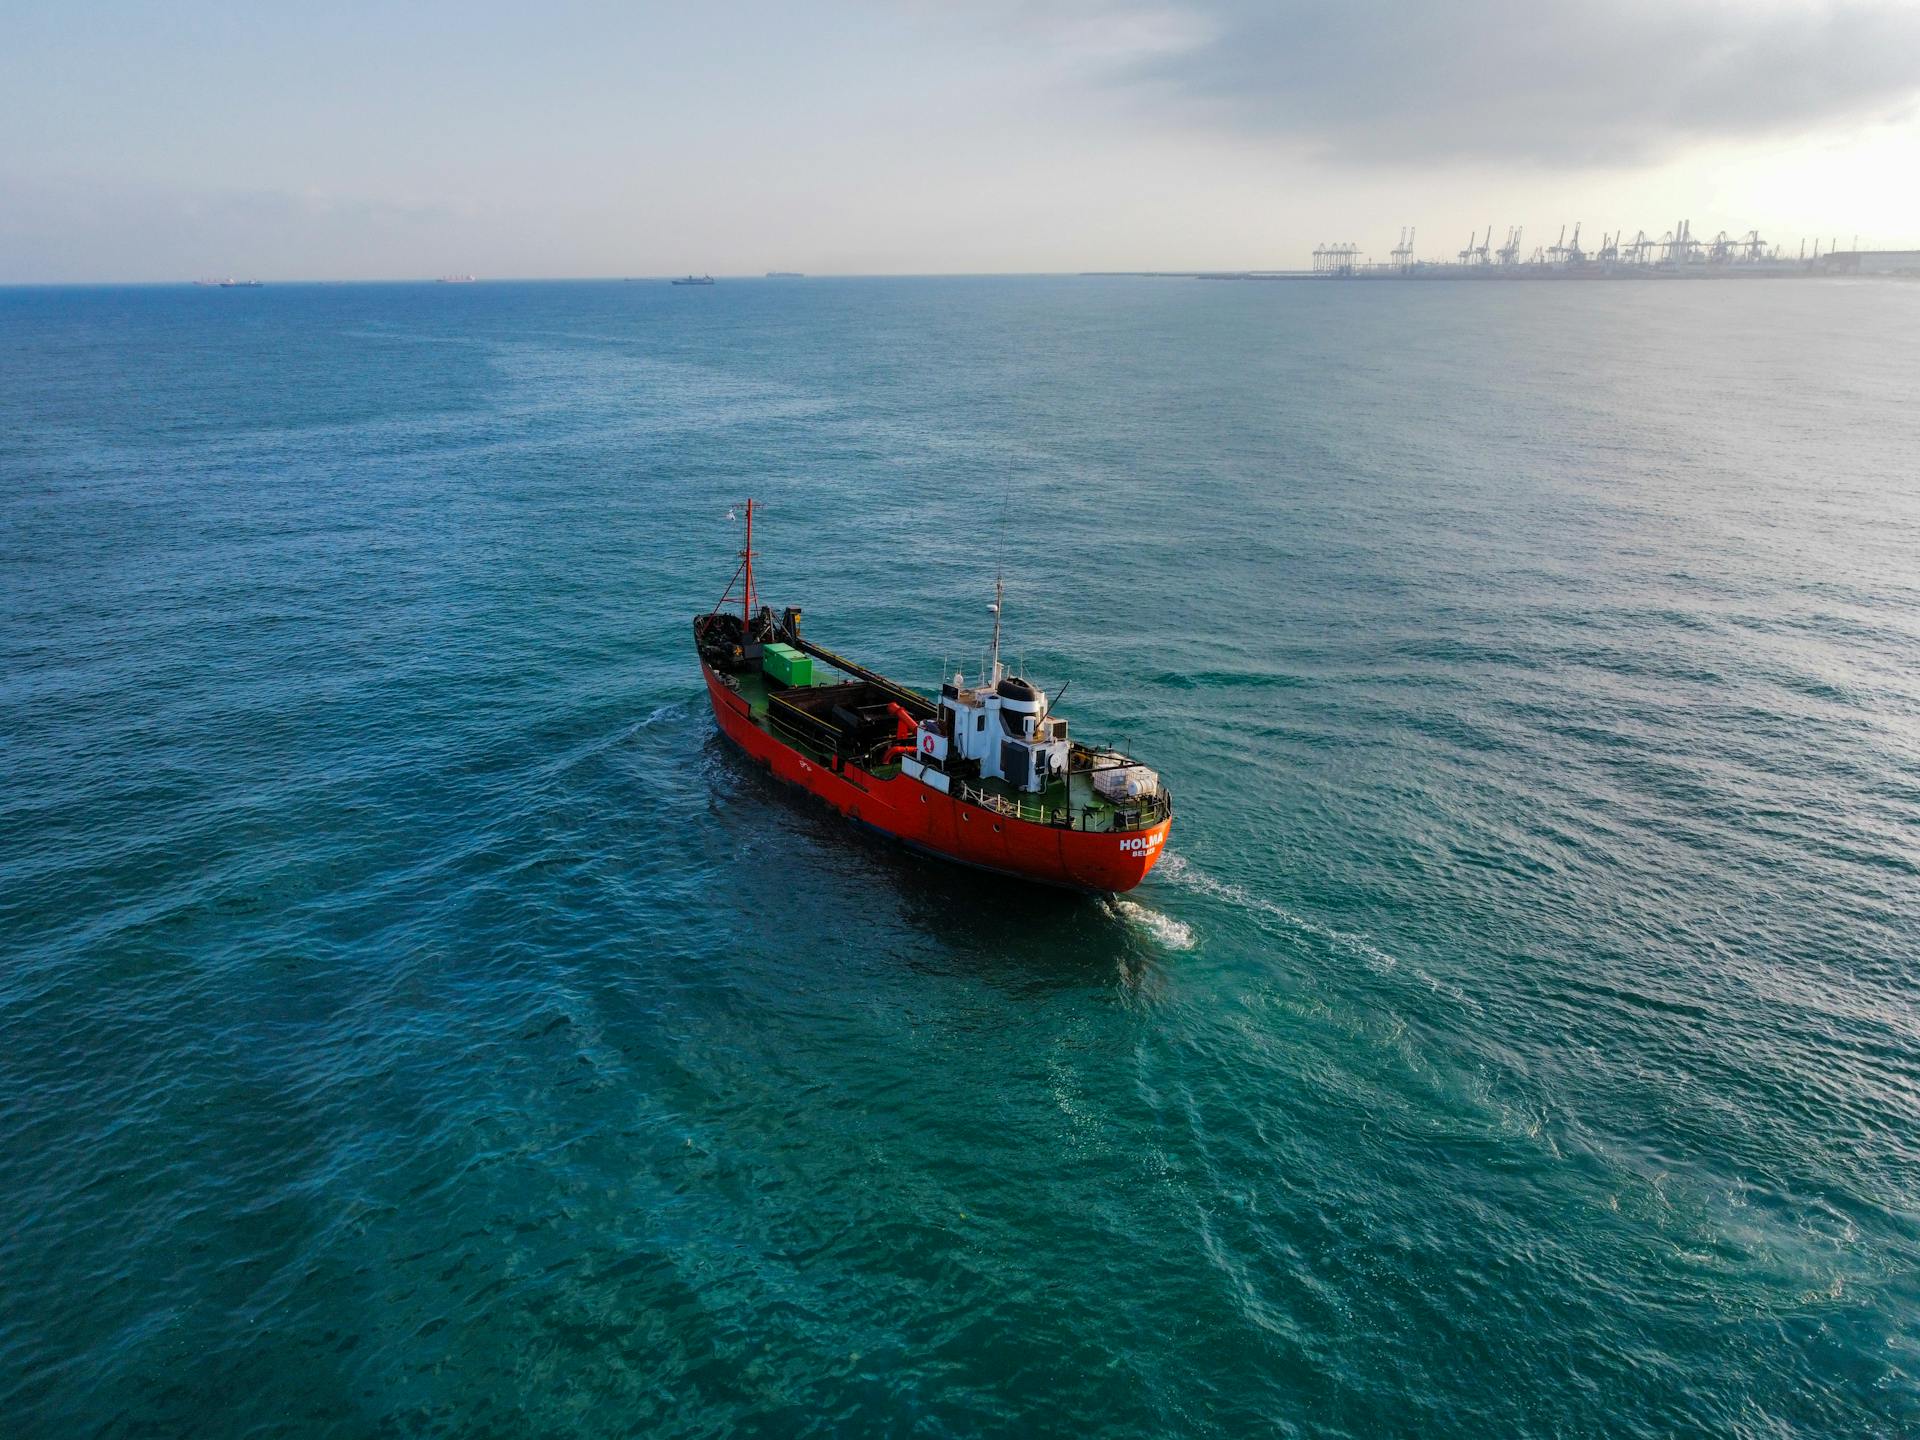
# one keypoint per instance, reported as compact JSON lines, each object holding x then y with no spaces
{"x":787,"y":665}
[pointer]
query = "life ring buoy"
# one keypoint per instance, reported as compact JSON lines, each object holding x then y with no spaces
{"x":926,"y":743}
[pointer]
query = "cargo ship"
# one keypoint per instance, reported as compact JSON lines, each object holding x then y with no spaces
{"x":694,"y":280}
{"x":986,"y":774}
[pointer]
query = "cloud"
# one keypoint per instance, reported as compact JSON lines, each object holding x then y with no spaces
{"x":1552,"y":82}
{"x":80,"y":229}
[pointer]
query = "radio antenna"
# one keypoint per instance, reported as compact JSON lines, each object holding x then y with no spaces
{"x":1000,"y":572}
{"x":999,"y":594}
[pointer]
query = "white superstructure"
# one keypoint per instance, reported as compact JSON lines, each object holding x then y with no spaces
{"x":1003,"y":727}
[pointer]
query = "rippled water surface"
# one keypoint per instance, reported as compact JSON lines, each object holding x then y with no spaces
{"x":416,"y":1020}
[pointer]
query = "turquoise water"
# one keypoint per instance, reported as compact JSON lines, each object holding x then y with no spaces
{"x":416,"y":1020}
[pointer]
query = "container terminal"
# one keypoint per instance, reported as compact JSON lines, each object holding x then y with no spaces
{"x":1677,"y":254}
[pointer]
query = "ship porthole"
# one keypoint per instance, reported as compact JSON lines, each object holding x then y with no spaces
{"x":996,"y":827}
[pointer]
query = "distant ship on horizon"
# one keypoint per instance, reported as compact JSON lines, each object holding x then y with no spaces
{"x":695,"y":280}
{"x":785,"y":275}
{"x":230,"y":284}
{"x":454,"y":280}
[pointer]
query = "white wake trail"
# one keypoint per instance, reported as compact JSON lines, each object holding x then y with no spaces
{"x":1177,"y":869}
{"x":1170,"y":933}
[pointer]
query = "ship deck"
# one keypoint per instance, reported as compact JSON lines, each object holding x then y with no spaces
{"x":1075,"y":793}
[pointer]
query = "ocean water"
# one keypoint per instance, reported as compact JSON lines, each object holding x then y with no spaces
{"x":415,"y":1020}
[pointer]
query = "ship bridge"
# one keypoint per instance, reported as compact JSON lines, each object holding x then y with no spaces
{"x":999,"y":745}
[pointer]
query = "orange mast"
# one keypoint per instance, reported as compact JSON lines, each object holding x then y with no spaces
{"x":742,"y":576}
{"x":746,"y":564}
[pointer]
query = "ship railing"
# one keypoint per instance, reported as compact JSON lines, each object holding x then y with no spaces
{"x":1148,"y":810}
{"x":1144,"y":811}
{"x":1036,"y":813}
{"x":1124,"y":815}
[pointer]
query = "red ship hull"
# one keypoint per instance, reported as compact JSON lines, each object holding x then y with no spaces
{"x":943,"y":825}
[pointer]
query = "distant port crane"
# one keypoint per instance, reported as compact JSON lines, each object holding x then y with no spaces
{"x":1561,"y":253}
{"x":1335,"y":259}
{"x":1678,"y":247}
{"x":1615,"y":255}
{"x":1403,"y":252}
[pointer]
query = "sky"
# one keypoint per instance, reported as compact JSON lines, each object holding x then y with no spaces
{"x":350,"y":140}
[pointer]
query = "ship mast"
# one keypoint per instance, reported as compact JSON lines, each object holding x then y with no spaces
{"x":746,"y":565}
{"x":999,"y":594}
{"x":742,"y":576}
